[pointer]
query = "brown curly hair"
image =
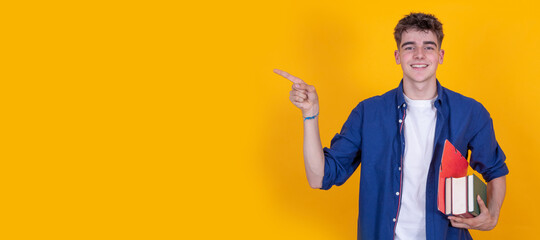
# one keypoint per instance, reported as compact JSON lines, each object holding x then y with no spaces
{"x":421,"y":22}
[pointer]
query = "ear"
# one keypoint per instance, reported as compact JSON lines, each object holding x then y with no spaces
{"x":441,"y":56}
{"x":396,"y":55}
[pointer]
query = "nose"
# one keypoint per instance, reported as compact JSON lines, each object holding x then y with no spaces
{"x":419,"y":53}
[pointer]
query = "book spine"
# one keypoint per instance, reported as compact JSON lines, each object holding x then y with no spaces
{"x":448,"y":196}
{"x":467,"y":194}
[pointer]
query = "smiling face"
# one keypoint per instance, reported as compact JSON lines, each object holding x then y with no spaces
{"x":419,"y":56}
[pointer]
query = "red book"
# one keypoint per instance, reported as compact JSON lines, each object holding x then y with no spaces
{"x":453,"y":164}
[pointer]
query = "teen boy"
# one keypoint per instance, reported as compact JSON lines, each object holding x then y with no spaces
{"x":398,"y":137}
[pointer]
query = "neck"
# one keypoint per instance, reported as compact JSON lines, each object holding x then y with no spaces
{"x":420,"y":90}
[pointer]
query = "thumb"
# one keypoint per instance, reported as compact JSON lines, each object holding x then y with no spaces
{"x":300,"y":86}
{"x":482,"y":205}
{"x":304,"y":86}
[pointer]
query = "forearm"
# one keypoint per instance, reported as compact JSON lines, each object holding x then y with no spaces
{"x":313,"y":153}
{"x":496,"y":190}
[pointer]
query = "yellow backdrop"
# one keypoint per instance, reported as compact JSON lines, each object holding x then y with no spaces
{"x":164,"y":120}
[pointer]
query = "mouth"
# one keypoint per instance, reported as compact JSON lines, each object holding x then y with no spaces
{"x":419,"y":66}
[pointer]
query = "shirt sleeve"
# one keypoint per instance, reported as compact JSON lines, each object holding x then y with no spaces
{"x":343,"y":156}
{"x":487,"y":156}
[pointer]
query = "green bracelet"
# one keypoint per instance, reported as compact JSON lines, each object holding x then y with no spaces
{"x":307,"y":118}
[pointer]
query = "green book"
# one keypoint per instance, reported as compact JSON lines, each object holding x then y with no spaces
{"x":475,"y":187}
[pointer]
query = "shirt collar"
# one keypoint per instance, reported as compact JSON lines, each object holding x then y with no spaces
{"x":401,"y":99}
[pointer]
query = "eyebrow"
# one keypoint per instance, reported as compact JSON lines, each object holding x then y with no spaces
{"x":425,"y":42}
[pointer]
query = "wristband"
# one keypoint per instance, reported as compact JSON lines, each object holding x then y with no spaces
{"x":307,"y":118}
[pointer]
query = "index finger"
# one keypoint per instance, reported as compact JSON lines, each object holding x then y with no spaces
{"x":288,"y":76}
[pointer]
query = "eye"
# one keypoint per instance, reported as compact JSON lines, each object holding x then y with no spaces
{"x":430,"y":48}
{"x":408,"y":48}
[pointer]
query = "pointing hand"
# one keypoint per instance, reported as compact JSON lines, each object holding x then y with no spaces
{"x":302,"y":95}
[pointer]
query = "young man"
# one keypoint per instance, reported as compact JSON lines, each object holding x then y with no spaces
{"x":398,"y":137}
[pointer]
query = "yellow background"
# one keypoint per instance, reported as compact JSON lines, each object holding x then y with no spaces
{"x":163,"y":119}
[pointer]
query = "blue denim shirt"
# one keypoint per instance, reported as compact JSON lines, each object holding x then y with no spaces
{"x":373,"y":136}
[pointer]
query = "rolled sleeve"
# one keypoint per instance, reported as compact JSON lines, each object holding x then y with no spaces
{"x":343,"y":156}
{"x":487,"y":156}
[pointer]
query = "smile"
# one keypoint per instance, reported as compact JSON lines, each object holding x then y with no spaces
{"x":419,"y":65}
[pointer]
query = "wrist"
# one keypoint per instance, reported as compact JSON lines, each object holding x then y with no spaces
{"x":310,"y":112}
{"x":311,"y":117}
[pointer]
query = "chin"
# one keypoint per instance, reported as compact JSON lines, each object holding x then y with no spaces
{"x":421,"y":79}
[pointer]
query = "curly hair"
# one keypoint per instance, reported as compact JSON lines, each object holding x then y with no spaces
{"x":420,"y":22}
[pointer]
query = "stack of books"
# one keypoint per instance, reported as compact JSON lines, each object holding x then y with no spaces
{"x":461,"y":194}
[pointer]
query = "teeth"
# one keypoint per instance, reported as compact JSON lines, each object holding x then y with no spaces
{"x":416,"y":66}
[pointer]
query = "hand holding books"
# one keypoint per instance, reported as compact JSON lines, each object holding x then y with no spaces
{"x":485,"y":221}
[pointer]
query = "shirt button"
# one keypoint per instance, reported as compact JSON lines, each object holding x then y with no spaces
{"x":399,"y":168}
{"x":404,"y":105}
{"x":397,"y":193}
{"x":394,"y":220}
{"x":400,"y":121}
{"x":398,"y":107}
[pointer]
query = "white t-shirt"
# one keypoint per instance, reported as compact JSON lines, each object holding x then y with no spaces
{"x":419,"y":130}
